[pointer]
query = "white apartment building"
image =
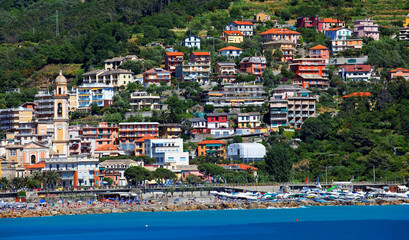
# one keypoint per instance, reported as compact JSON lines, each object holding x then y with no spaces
{"x":75,"y":171}
{"x":144,"y":100}
{"x":248,"y":120}
{"x":98,"y":93}
{"x":167,"y":151}
{"x":191,"y":42}
{"x":338,"y":33}
{"x":246,"y":28}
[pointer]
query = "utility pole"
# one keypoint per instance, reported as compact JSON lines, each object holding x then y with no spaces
{"x":374,"y":173}
{"x":57,"y":30}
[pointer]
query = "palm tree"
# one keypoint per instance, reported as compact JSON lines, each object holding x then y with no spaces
{"x":37,"y":176}
{"x":5,"y":183}
{"x":52,"y":178}
{"x":18,"y":182}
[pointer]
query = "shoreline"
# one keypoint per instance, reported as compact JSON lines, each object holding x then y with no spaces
{"x":111,"y":208}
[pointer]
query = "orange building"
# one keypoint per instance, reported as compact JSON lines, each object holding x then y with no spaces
{"x":254,"y":65}
{"x":309,"y":66}
{"x":140,"y":145}
{"x":313,"y":81}
{"x":38,"y":167}
{"x":104,"y":133}
{"x":215,"y":148}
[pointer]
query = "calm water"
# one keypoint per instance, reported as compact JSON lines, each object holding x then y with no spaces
{"x":349,"y":222}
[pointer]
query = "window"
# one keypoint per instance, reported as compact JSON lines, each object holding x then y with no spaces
{"x":33,"y":159}
{"x":13,"y":152}
{"x":59,"y":109}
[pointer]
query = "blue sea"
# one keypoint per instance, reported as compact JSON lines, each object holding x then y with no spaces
{"x":335,"y":222}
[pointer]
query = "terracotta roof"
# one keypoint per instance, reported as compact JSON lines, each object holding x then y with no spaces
{"x":399,"y":69}
{"x":230,"y":48}
{"x":232,"y":32}
{"x":37,"y":165}
{"x":174,"y":53}
{"x":319,"y":47}
{"x":356,"y":68}
{"x":144,"y":138}
{"x":201,"y":53}
{"x":242,"y":23}
{"x":107,"y":147}
{"x":211,"y":142}
{"x":358,"y":94}
{"x":279,"y":31}
{"x":331,"y":20}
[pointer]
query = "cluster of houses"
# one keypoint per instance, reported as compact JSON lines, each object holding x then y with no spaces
{"x":98,"y":86}
{"x":40,"y":143}
{"x":39,"y":138}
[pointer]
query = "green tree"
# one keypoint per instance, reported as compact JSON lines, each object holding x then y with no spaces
{"x":210,"y":169}
{"x":5,"y":183}
{"x":209,"y":108}
{"x":163,"y":174}
{"x":51,"y":179}
{"x":279,"y":159}
{"x":110,"y":181}
{"x":237,"y":139}
{"x":193,"y":179}
{"x":137,"y":174}
{"x":95,"y":110}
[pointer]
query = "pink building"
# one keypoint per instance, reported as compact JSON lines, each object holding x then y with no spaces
{"x":253,"y":65}
{"x":366,"y":28}
{"x":398,"y":72}
{"x":275,"y":34}
{"x":320,"y":51}
{"x":157,"y":76}
{"x":104,"y":133}
{"x":328,"y":23}
{"x":200,"y":57}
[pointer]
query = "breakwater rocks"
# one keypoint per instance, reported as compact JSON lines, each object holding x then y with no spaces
{"x":186,"y":207}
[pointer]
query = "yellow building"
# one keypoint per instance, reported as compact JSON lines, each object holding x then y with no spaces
{"x":14,"y":154}
{"x":73,"y":102}
{"x":232,"y":36}
{"x":61,"y":119}
{"x":170,"y":130}
{"x":12,"y":117}
{"x":262,"y":17}
{"x":406,"y":24}
{"x":288,"y":48}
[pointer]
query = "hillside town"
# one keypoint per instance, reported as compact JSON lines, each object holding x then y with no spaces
{"x":198,"y":107}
